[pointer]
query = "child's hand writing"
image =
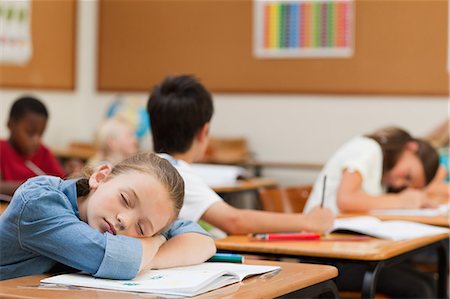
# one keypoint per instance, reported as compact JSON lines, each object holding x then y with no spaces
{"x":319,"y":219}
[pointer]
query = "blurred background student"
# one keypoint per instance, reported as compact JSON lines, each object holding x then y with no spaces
{"x":115,"y":140}
{"x":23,"y":155}
{"x":388,"y":169}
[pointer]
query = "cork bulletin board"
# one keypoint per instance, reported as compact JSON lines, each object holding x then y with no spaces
{"x":400,"y":48}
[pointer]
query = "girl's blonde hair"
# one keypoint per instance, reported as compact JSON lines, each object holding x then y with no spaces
{"x":148,"y":163}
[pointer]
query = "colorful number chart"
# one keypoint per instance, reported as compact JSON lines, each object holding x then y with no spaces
{"x":303,"y":28}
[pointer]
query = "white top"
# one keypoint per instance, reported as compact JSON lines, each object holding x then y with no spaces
{"x":362,"y":155}
{"x":198,"y":196}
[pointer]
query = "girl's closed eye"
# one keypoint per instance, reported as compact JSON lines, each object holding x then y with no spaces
{"x":140,"y":229}
{"x":124,"y":200}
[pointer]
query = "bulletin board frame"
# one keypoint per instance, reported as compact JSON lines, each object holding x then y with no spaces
{"x":53,"y":34}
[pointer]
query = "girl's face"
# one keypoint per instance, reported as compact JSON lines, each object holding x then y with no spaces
{"x":133,"y":204}
{"x":408,"y":172}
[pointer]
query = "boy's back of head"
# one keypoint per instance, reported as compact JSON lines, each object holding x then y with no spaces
{"x":179,"y":107}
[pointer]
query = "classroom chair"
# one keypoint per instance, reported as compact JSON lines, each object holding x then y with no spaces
{"x":285,"y":200}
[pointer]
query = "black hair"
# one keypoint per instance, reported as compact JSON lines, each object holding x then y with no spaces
{"x":26,"y":104}
{"x":179,"y":107}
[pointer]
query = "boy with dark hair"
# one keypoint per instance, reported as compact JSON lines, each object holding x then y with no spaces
{"x":180,"y":111}
{"x":23,"y":155}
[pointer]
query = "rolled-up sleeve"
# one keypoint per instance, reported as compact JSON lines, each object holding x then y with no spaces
{"x":48,"y":227}
{"x":182,"y":226}
{"x":122,"y":258}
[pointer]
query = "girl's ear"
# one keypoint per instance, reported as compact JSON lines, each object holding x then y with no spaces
{"x":412,"y":146}
{"x":99,"y":175}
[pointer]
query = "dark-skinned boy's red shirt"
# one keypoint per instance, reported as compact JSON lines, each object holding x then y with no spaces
{"x":14,"y":167}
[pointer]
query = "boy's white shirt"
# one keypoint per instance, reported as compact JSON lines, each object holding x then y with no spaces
{"x":198,"y":196}
{"x":361,"y":154}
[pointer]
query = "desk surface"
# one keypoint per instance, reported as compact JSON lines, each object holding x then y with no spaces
{"x":292,"y":277}
{"x":434,"y":220}
{"x":82,"y":153}
{"x":246,"y":185}
{"x":3,"y":206}
{"x":268,"y":164}
{"x":368,"y":250}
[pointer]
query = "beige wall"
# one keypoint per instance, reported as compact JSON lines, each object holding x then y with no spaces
{"x":279,"y":127}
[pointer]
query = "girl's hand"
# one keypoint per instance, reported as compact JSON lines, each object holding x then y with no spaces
{"x":413,"y":198}
{"x":319,"y":219}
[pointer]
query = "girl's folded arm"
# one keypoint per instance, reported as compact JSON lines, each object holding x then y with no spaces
{"x":61,"y":236}
{"x":187,"y":244}
{"x":182,"y":250}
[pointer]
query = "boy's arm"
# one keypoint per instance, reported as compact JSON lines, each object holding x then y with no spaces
{"x":182,"y":250}
{"x":241,"y":221}
{"x":350,"y":197}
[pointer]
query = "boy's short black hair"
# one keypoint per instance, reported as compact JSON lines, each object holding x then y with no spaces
{"x":179,"y":107}
{"x":26,"y":104}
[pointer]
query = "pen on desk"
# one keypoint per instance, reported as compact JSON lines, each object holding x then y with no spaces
{"x":285,"y":237}
{"x":227,"y":257}
{"x":323,"y":190}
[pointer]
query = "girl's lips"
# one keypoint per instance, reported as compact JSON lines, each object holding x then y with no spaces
{"x":110,"y":228}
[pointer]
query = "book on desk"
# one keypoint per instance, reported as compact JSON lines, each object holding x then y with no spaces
{"x":180,"y":281}
{"x":368,"y":226}
{"x":441,"y":210}
{"x":220,"y":175}
{"x":395,"y":230}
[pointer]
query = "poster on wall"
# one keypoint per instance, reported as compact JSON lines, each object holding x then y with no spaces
{"x":303,"y":28}
{"x":15,"y":32}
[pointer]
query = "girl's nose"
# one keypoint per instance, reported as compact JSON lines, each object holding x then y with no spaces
{"x":123,"y":221}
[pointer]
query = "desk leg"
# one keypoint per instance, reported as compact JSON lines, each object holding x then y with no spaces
{"x":443,"y":268}
{"x":370,"y":279}
{"x":325,"y":289}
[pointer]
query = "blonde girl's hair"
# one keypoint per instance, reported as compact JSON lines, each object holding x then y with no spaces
{"x":148,"y":163}
{"x":393,"y":141}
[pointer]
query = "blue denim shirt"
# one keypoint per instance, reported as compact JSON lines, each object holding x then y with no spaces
{"x":42,"y":227}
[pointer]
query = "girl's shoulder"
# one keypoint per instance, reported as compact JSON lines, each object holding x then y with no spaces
{"x":38,"y":187}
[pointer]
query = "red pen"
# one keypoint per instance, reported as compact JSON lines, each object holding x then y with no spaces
{"x":285,"y":237}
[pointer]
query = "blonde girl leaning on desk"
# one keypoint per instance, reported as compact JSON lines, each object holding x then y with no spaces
{"x":112,"y":224}
{"x":388,"y":169}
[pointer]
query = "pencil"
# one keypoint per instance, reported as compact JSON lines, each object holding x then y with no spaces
{"x":323,"y":190}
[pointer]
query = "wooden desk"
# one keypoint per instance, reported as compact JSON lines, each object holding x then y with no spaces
{"x":375,"y":253}
{"x":305,"y":280}
{"x":258,"y":166}
{"x":76,"y":150}
{"x":435,"y":220}
{"x":3,"y":206}
{"x":246,"y":185}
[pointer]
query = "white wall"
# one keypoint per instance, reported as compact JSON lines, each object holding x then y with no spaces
{"x":305,"y":128}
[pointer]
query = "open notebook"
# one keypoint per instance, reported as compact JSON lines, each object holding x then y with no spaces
{"x":220,"y":175}
{"x":181,"y":281}
{"x":442,"y":210}
{"x":395,"y":230}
